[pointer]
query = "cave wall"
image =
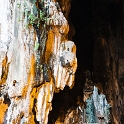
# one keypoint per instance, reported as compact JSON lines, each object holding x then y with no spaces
{"x":99,"y":40}
{"x":36,"y":59}
{"x":108,"y":74}
{"x":96,"y":27}
{"x":108,"y":55}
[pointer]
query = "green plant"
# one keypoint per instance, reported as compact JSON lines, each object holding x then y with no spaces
{"x":35,"y":16}
{"x":36,"y":46}
{"x":32,"y":19}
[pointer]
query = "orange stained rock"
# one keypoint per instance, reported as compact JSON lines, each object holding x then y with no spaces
{"x":55,"y":29}
{"x":4,"y":62}
{"x":64,"y":29}
{"x":3,"y":108}
{"x":31,"y":75}
{"x":5,"y":67}
{"x":33,"y":96}
{"x":32,"y":68}
{"x":44,"y":99}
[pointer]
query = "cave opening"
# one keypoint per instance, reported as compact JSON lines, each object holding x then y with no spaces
{"x":81,"y":18}
{"x":92,"y":20}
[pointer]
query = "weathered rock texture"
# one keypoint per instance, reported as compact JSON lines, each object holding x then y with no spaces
{"x":38,"y":61}
{"x":29,"y":77}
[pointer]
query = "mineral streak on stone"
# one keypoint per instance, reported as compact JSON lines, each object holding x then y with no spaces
{"x":31,"y":103}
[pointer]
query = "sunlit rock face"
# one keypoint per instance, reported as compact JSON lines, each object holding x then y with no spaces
{"x":29,"y":76}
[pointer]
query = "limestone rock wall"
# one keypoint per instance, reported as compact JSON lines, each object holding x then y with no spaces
{"x":35,"y":60}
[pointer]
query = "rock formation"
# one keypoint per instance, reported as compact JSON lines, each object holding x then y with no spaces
{"x":39,"y":79}
{"x":37,"y":59}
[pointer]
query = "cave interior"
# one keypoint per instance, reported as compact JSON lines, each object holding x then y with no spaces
{"x":92,"y":19}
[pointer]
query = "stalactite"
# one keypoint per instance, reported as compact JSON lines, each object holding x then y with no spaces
{"x":38,"y":61}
